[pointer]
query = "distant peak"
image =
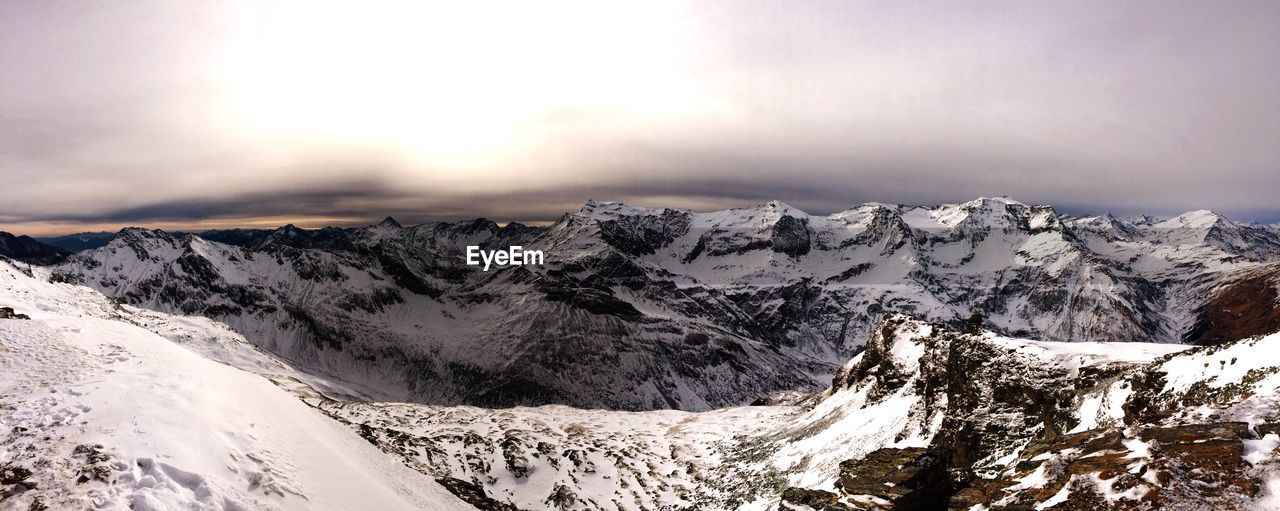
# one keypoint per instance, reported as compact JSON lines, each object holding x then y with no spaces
{"x":1200,"y":218}
{"x":592,"y":205}
{"x":781,"y":208}
{"x":1142,"y":220}
{"x":389,"y":222}
{"x":1200,"y":213}
{"x":141,"y":232}
{"x":477,"y":225}
{"x":1003,"y":199}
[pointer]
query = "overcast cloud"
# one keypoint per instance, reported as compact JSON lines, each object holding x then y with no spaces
{"x":198,"y":114}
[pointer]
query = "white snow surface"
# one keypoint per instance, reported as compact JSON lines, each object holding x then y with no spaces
{"x":176,"y":430}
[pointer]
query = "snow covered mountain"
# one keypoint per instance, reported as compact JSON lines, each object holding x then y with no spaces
{"x":1205,"y":227}
{"x":115,"y":407}
{"x":99,"y":411}
{"x":650,"y":309}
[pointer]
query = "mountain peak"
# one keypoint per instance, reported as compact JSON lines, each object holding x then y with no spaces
{"x":987,"y":201}
{"x":389,"y":222}
{"x":611,"y":209}
{"x":477,"y":225}
{"x":1197,"y":219}
{"x":141,"y":233}
{"x":592,"y":205}
{"x":1142,"y":220}
{"x":784,"y":208}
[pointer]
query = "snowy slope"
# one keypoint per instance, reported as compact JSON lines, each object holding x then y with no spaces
{"x":99,"y":412}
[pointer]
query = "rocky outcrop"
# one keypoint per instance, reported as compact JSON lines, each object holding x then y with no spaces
{"x":7,"y":313}
{"x":1247,"y":305}
{"x":790,"y":235}
{"x":640,"y":235}
{"x":889,"y":478}
{"x":1193,"y":466}
{"x":1022,"y":427}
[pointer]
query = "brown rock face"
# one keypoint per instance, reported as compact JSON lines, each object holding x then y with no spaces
{"x":7,"y":313}
{"x":1195,"y":466}
{"x":887,"y":478}
{"x":801,"y":498}
{"x":1248,"y":306}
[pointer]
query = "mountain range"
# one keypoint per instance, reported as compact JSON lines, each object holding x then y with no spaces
{"x":27,"y":249}
{"x":641,"y":309}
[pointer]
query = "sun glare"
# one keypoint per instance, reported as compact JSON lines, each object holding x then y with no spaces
{"x":452,"y":84}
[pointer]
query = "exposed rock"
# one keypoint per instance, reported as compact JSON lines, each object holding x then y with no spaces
{"x":906,"y":478}
{"x":474,"y":494}
{"x":790,"y":235}
{"x":8,"y":313}
{"x":639,"y":235}
{"x":1196,"y":466}
{"x":1002,"y":444}
{"x":1248,"y":305}
{"x":804,"y":499}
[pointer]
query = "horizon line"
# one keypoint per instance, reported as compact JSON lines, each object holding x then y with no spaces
{"x":61,"y":228}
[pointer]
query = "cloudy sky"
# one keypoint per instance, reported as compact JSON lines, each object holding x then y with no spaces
{"x":211,"y":113}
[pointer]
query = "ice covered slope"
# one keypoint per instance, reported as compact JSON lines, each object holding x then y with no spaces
{"x":99,"y":412}
{"x":642,"y":308}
